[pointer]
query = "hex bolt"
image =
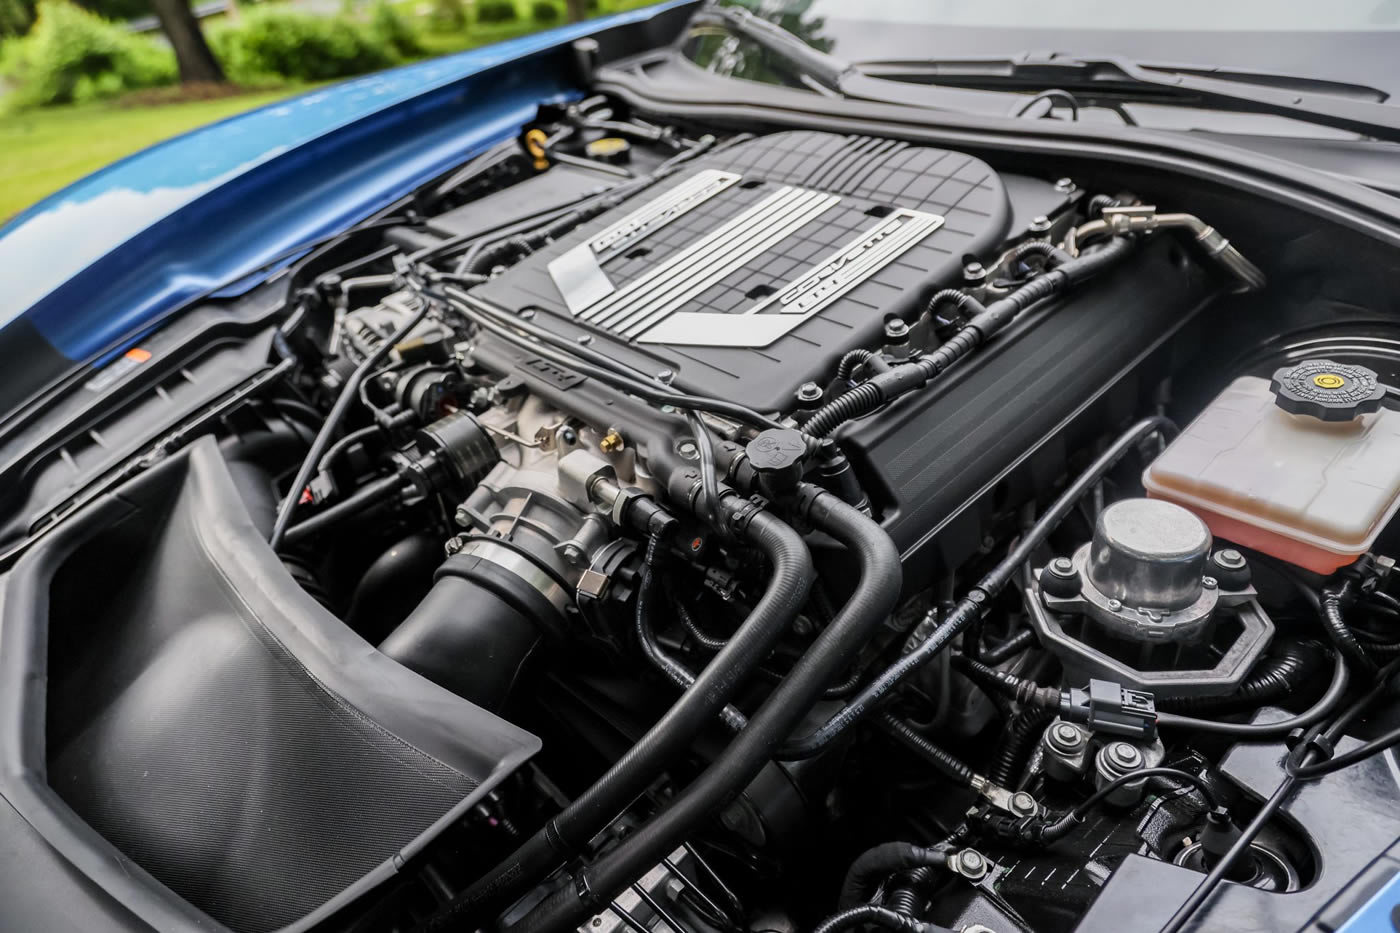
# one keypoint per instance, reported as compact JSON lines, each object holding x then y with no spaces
{"x":1039,"y":224}
{"x":809,"y":392}
{"x":896,"y":329}
{"x":1023,"y":804}
{"x":665,"y":376}
{"x":971,"y":864}
{"x":1125,"y":756}
{"x":1229,"y":558}
{"x":1062,"y":566}
{"x":688,"y":450}
{"x":1064,"y":185}
{"x":611,"y":442}
{"x":528,"y":314}
{"x":974,"y":273}
{"x":1066,"y":737}
{"x":1114,"y":605}
{"x":462,"y":516}
{"x":1209,"y":583}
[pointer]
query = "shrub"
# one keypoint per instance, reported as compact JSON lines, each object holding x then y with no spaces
{"x":277,"y":41}
{"x":392,"y":30}
{"x":73,"y":55}
{"x":496,"y":11}
{"x":449,"y":15}
{"x":544,"y":11}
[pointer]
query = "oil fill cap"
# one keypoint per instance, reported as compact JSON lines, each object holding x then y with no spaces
{"x":1328,"y":391}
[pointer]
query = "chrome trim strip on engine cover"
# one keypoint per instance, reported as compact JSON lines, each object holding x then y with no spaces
{"x":778,"y":314}
{"x":663,"y":290}
{"x":578,"y":273}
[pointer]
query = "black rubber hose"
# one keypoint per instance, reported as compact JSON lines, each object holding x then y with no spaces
{"x":905,"y":896}
{"x":1275,"y":678}
{"x":673,"y":670}
{"x":850,"y":362}
{"x":883,"y":387}
{"x":1335,"y":624}
{"x":363,"y":500}
{"x":564,"y":836}
{"x":875,"y":865}
{"x":971,"y":606}
{"x":944,"y":762}
{"x":869,"y":606}
{"x":348,"y":394}
{"x":1016,"y":743}
{"x":1013,"y":646}
{"x":874,"y":915}
{"x":338,"y":449}
{"x":702,"y":638}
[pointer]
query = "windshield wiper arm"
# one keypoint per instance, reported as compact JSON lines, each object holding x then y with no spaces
{"x":1354,"y":108}
{"x":877,"y":81}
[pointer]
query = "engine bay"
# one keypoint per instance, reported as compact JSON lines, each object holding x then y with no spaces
{"x":654,"y":526}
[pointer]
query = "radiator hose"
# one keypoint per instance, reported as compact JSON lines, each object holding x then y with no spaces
{"x":565,"y":836}
{"x":870,"y":604}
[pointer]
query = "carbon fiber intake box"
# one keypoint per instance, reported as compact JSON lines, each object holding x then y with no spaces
{"x":752,"y":270}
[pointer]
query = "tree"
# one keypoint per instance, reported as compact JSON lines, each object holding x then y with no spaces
{"x":578,"y":10}
{"x":193,"y":55}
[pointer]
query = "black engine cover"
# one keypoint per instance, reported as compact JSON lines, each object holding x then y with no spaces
{"x":752,"y":270}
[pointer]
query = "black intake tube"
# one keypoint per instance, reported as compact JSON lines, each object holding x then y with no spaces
{"x":565,"y":836}
{"x":870,"y":604}
{"x":970,"y":608}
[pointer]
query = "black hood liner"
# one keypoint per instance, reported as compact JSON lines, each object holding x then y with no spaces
{"x":234,"y":741}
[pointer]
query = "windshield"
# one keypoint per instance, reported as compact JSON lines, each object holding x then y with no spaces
{"x":1343,"y":47}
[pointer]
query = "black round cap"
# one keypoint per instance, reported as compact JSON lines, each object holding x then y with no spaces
{"x":778,"y":455}
{"x":1326,"y":390}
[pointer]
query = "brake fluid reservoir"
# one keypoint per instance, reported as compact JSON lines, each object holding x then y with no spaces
{"x":1306,"y":469}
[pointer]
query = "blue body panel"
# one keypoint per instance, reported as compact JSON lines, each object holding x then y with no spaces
{"x":112,"y":254}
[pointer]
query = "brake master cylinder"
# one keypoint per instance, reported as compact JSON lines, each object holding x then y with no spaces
{"x":1305,"y":468}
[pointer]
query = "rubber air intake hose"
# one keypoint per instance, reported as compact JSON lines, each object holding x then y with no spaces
{"x":564,"y":836}
{"x":870,"y":604}
{"x":1334,"y":623}
{"x":986,"y":322}
{"x":970,"y":608}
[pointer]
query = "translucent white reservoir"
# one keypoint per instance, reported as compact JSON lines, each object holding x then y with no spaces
{"x":1310,"y":492}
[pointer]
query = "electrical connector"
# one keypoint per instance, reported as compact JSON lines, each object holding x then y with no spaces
{"x":1107,"y":707}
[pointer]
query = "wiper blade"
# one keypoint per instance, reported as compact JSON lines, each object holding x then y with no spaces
{"x":1351,"y":107}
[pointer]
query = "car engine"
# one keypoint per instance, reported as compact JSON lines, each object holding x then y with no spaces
{"x":661,"y":527}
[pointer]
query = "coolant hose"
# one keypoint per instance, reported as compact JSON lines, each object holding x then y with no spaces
{"x":871,"y":602}
{"x":970,"y":608}
{"x":883,"y":387}
{"x":564,"y":836}
{"x":874,"y":865}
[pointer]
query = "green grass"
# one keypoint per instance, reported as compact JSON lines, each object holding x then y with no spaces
{"x":43,"y":150}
